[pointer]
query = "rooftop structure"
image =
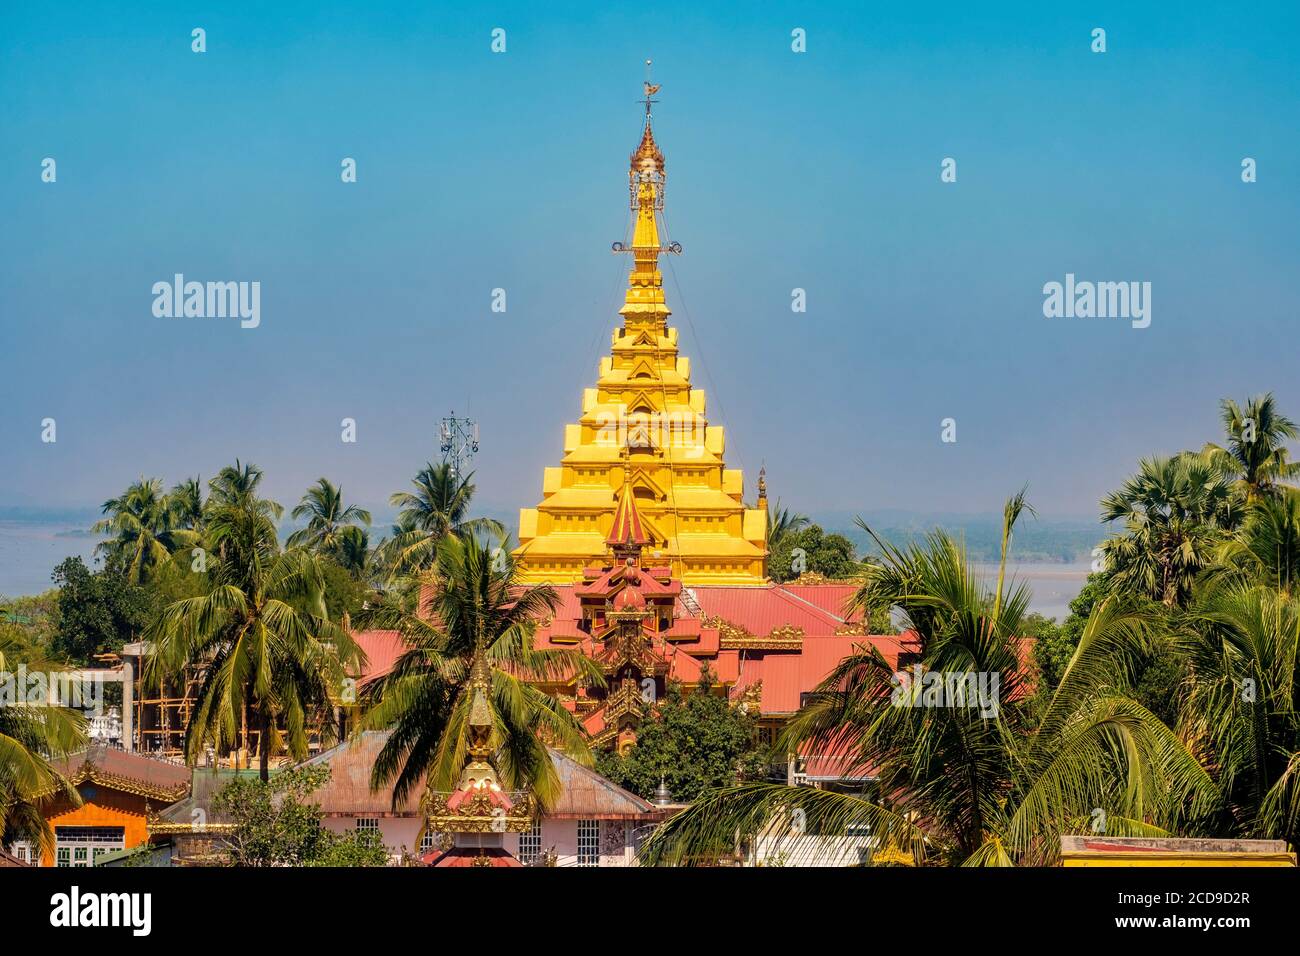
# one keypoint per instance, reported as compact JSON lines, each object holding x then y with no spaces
{"x":644,"y":426}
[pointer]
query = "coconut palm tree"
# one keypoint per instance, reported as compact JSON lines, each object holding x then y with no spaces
{"x":1256,"y":456}
{"x":143,"y":528}
{"x":473,"y":603}
{"x":1176,"y":512}
{"x":261,"y":636}
{"x":1265,"y":550}
{"x":237,"y":485}
{"x":1240,"y":712}
{"x":30,"y":736}
{"x":965,"y":777}
{"x":327,"y":518}
{"x":782,"y":524}
{"x":439,"y":506}
{"x":353,"y":552}
{"x":186,"y":500}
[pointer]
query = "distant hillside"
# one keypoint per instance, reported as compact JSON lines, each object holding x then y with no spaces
{"x":1060,"y":541}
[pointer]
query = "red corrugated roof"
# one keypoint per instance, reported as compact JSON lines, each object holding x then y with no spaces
{"x":831,"y":598}
{"x":470,"y":856}
{"x":761,"y":610}
{"x":816,"y":609}
{"x":382,"y":649}
{"x":787,"y":676}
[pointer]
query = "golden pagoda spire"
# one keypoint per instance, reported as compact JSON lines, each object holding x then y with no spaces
{"x":643,"y":445}
{"x":646,"y":179}
{"x":478,"y":771}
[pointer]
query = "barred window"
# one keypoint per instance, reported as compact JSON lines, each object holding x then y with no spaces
{"x":367,"y":825}
{"x":588,"y":843}
{"x":530,"y":843}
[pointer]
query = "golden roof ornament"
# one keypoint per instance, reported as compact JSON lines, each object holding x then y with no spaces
{"x":479,"y":804}
{"x":647,"y":161}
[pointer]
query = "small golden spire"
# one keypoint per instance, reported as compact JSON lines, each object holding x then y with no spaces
{"x":478,"y":770}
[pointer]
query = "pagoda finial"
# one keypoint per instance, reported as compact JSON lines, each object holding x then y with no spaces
{"x":650,"y":90}
{"x":762,"y":487}
{"x":479,"y":771}
{"x":646,"y":180}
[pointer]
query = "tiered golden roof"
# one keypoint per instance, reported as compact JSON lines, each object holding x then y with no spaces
{"x":645,"y":425}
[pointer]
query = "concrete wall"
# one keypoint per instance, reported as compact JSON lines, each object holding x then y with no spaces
{"x":617,"y":842}
{"x":397,"y":832}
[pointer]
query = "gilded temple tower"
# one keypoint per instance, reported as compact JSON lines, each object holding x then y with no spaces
{"x":644,"y":426}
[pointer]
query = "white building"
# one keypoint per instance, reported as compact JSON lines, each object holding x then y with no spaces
{"x":594,"y":823}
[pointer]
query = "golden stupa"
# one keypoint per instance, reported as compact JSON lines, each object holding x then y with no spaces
{"x":643,"y":423}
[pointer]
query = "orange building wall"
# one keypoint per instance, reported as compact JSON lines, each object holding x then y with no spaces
{"x":107,"y":808}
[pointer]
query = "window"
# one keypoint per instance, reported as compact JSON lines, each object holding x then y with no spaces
{"x":428,"y":842}
{"x":367,"y":825}
{"x":530,"y":843}
{"x":80,"y":846}
{"x":588,"y":843}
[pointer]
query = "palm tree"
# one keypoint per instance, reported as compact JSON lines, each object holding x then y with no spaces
{"x":1241,"y":709}
{"x":971,"y":785}
{"x":781,"y":525}
{"x":438,"y":507}
{"x":30,"y":736}
{"x":474,"y":605}
{"x":261,"y":636}
{"x":1266,"y":548}
{"x":145,"y":533}
{"x":1256,"y":456}
{"x":1176,"y":512}
{"x":353,"y":553}
{"x":237,"y":485}
{"x":328,"y":519}
{"x":186,"y":500}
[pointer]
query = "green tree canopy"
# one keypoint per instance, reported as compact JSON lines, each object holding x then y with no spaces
{"x":831,"y":555}
{"x":696,"y":742}
{"x":275,"y":824}
{"x":98,"y":612}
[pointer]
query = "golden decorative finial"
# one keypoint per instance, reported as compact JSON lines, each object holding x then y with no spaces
{"x":650,"y":90}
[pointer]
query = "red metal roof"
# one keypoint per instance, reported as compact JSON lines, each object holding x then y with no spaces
{"x":470,"y":856}
{"x":831,"y":598}
{"x":586,"y":795}
{"x":347,"y":793}
{"x":815,"y":609}
{"x":126,"y":771}
{"x":761,"y":610}
{"x":382,"y":649}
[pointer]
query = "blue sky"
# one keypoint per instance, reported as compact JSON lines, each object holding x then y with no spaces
{"x":479,"y":170}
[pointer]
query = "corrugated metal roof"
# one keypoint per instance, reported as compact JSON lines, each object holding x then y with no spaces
{"x":382,"y":649}
{"x":586,"y":795}
{"x":348,"y":793}
{"x":818,"y":610}
{"x":764,"y":609}
{"x":109,"y":763}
